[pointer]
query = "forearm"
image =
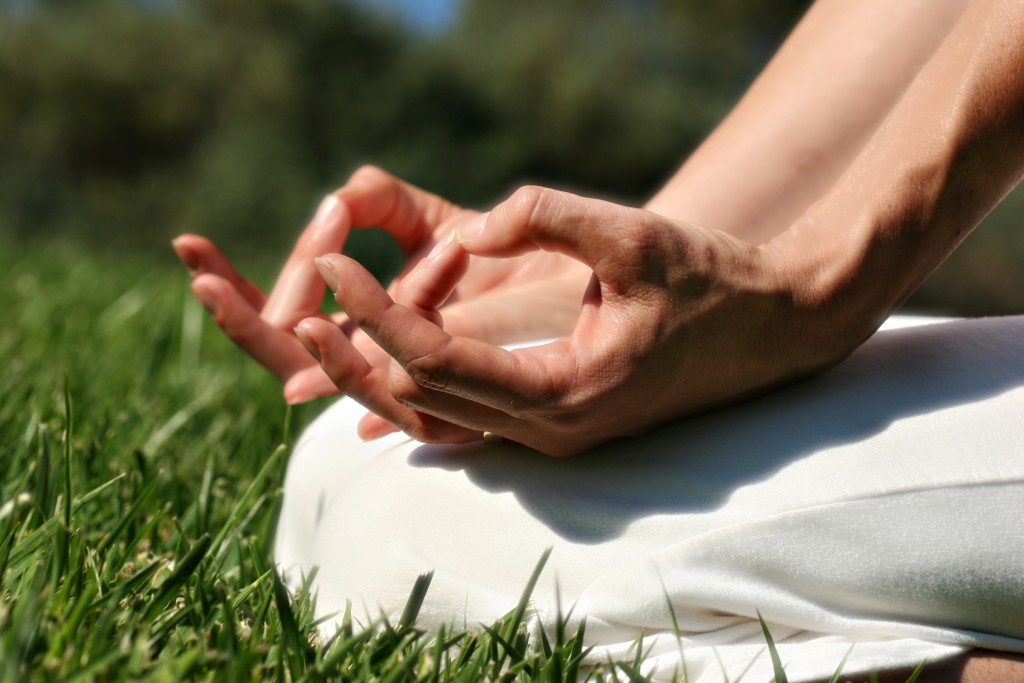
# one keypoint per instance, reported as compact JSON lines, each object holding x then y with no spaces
{"x":944,"y":157}
{"x":807,"y":116}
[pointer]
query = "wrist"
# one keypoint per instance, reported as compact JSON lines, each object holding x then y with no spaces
{"x":830,"y":296}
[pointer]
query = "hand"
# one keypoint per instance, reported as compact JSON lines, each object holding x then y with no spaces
{"x":260,"y":324}
{"x":485,"y":303}
{"x":678,"y":319}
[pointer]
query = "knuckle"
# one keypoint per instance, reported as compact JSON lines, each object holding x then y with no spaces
{"x":352,"y":378}
{"x":403,"y":388}
{"x":426,"y":432}
{"x":246,"y":331}
{"x":429,"y":371}
{"x":420,"y":432}
{"x":427,"y":429}
{"x":642,"y":237}
{"x":568,"y":421}
{"x":528,"y":204}
{"x":647,"y":251}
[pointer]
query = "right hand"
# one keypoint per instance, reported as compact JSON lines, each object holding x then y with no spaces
{"x":679,"y":319}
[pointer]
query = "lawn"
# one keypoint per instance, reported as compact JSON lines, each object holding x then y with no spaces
{"x":142,"y":462}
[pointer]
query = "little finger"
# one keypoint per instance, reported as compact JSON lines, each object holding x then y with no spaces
{"x":298,"y":290}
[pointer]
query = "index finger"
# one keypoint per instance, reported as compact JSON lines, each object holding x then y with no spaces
{"x":374,"y":197}
{"x":509,"y":381}
{"x":615,"y":241}
{"x":298,"y":290}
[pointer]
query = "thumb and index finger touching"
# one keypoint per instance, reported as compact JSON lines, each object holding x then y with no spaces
{"x":375,"y":198}
{"x":534,"y":218}
{"x":371,"y":197}
{"x":591,"y":231}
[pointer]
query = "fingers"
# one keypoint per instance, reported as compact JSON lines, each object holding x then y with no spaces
{"x":200,"y":256}
{"x":275,"y":349}
{"x":430,"y":283}
{"x":368,"y":384}
{"x":461,"y":366}
{"x":299,"y":289}
{"x":611,"y":239}
{"x":308,"y":384}
{"x":409,"y":214}
{"x":372,"y":426}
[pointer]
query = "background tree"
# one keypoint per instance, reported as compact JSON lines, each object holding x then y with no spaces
{"x":123,"y":122}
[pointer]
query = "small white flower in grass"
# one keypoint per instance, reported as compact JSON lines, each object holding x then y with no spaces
{"x":7,"y":508}
{"x":244,"y":628}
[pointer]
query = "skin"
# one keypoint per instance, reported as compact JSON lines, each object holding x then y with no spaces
{"x":681,"y":318}
{"x":874,"y":141}
{"x":751,"y":175}
{"x":485,"y":304}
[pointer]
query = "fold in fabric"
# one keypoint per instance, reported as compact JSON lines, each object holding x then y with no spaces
{"x":876,"y":506}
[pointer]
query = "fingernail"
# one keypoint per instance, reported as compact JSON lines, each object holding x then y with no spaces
{"x":327,"y":273}
{"x":471,"y":229}
{"x":439,"y":248}
{"x":328,"y":214}
{"x":187,"y":256}
{"x":307,"y":342}
{"x":297,"y":398}
{"x":209,"y":299}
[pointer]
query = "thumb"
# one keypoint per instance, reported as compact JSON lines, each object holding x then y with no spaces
{"x":592,"y":231}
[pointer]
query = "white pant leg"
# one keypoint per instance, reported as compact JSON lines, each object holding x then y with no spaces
{"x":878,"y":503}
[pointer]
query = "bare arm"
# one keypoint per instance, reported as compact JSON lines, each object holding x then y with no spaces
{"x":681,"y":318}
{"x":947,"y":153}
{"x":807,"y":115}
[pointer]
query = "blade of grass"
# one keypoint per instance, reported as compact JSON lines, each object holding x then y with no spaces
{"x":631,"y":673}
{"x":917,"y":672}
{"x":415,"y":602}
{"x":244,"y":594}
{"x":675,"y":629}
{"x":126,"y":518}
{"x":42,"y":483}
{"x":524,"y":600}
{"x":179,"y":576}
{"x":842,"y":663}
{"x":780,"y":673}
{"x":262,"y":475}
{"x":64,"y":530}
{"x":294,"y":644}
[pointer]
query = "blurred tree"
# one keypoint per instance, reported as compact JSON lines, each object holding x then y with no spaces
{"x":123,"y":122}
{"x":131,"y":121}
{"x":607,"y":94}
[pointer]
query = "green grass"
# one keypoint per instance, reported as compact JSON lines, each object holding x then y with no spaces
{"x":142,"y":462}
{"x":142,"y":457}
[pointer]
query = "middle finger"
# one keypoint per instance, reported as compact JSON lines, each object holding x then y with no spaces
{"x":369,"y":386}
{"x":508,"y":381}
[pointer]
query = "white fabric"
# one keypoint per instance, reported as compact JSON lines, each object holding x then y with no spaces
{"x":878,"y":504}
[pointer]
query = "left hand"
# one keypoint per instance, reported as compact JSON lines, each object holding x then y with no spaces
{"x":678,"y":319}
{"x":484,"y":304}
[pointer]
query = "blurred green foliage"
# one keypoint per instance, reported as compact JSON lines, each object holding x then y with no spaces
{"x":123,"y":122}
